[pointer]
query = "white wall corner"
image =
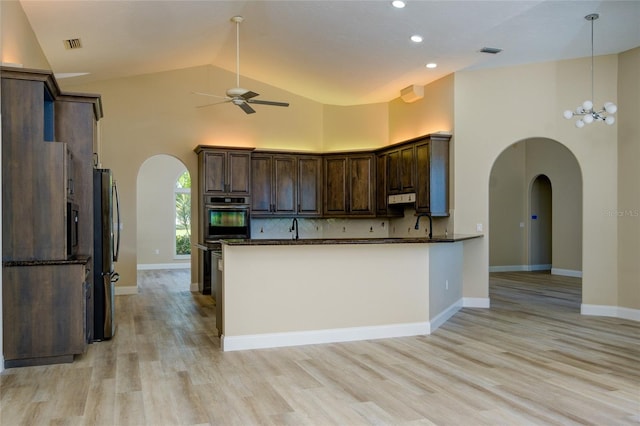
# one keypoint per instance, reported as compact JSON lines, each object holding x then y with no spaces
{"x":194,"y":287}
{"x":476,"y":302}
{"x":610,"y":311}
{"x":444,"y":316}
{"x":126,"y":290}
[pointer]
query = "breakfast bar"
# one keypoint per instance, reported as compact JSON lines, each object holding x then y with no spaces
{"x":293,"y":292}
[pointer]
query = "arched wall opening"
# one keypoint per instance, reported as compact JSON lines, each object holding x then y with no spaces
{"x":157,"y":215}
{"x":512,"y":205}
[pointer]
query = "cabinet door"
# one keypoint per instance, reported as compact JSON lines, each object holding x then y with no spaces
{"x":310,"y":186}
{"x":238,"y":180}
{"x":394,"y":184}
{"x":335,"y":189}
{"x":362,"y":185}
{"x":407,"y":169}
{"x":261,"y":185}
{"x":284,"y":185}
{"x":45,"y":313}
{"x":215,"y":171}
{"x":381,"y":184}
{"x":422,"y":165}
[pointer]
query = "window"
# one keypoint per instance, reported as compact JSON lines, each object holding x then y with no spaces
{"x":183,"y":215}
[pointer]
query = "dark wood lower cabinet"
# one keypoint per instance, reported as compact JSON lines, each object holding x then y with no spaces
{"x":44,"y":312}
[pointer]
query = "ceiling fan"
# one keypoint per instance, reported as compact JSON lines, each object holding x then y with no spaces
{"x":237,"y":95}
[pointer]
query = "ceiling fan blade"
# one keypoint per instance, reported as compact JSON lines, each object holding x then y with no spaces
{"x":246,"y":108}
{"x":273,"y":103}
{"x":210,"y":95}
{"x":215,"y":103}
{"x":249,"y":95}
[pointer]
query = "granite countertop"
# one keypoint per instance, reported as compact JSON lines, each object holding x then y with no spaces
{"x":321,"y":241}
{"x":77,"y":260}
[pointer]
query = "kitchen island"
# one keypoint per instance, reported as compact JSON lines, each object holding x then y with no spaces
{"x":294,"y":292}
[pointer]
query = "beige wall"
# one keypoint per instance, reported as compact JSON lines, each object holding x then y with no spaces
{"x":547,"y":157}
{"x":155,"y":210}
{"x":507,"y":208}
{"x":524,"y":102}
{"x":628,"y":207}
{"x":19,"y":43}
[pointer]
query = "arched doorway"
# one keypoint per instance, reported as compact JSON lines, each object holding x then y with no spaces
{"x":535,"y":209}
{"x":540,"y":230}
{"x":163,"y":216}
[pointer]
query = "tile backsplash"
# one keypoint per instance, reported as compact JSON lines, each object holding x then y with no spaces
{"x":278,"y":228}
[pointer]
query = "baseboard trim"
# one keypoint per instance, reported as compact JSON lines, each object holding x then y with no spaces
{"x":444,"y":316}
{"x":508,"y":268}
{"x":126,"y":290}
{"x":610,"y":311}
{"x":153,"y":266}
{"x":566,"y":272}
{"x":520,"y":268}
{"x":476,"y":302}
{"x":314,"y":337}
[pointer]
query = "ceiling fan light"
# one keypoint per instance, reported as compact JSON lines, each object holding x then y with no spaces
{"x":568,"y":114}
{"x":610,"y":107}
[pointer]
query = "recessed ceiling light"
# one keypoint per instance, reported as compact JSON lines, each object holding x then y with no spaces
{"x":398,"y":4}
{"x":416,"y":38}
{"x":431,"y":65}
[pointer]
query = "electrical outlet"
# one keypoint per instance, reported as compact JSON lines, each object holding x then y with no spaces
{"x":479,"y":227}
{"x":157,"y":251}
{"x":446,"y":284}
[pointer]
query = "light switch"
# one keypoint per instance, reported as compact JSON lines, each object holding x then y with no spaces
{"x":479,"y":227}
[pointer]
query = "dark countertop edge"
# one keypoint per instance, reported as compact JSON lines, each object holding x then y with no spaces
{"x":327,"y":241}
{"x":78,"y":260}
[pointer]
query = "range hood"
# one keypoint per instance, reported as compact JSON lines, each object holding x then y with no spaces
{"x":396,"y":199}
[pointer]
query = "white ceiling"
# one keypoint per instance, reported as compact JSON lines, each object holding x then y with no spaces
{"x":334,"y":52}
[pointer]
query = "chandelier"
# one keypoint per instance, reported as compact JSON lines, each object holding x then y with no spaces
{"x":585,"y":111}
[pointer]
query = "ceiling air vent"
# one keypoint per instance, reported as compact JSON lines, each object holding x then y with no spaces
{"x":72,"y":43}
{"x":492,"y":50}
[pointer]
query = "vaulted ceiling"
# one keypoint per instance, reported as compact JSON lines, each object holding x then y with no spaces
{"x":334,"y":52}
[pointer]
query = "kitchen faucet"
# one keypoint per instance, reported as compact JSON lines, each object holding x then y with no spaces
{"x":294,"y":225}
{"x":430,"y":222}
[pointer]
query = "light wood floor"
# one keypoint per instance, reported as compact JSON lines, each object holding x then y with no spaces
{"x":531,"y":359}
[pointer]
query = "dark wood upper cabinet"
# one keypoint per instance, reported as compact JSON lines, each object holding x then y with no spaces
{"x":382,"y":204}
{"x":401,"y":170}
{"x":432,"y":164}
{"x":224,"y":171}
{"x":273,"y":184}
{"x":350,"y":185}
{"x":309,"y":185}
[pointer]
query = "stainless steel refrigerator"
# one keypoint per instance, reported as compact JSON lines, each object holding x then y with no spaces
{"x":106,"y":244}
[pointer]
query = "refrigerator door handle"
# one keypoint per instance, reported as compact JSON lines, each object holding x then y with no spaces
{"x":116,"y":246}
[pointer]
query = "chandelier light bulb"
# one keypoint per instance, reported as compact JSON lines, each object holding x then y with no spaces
{"x":579,"y":110}
{"x":587,"y":105}
{"x":568,"y":114}
{"x":588,"y":119}
{"x":610,"y":120}
{"x":580,"y":124}
{"x":610,"y":107}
